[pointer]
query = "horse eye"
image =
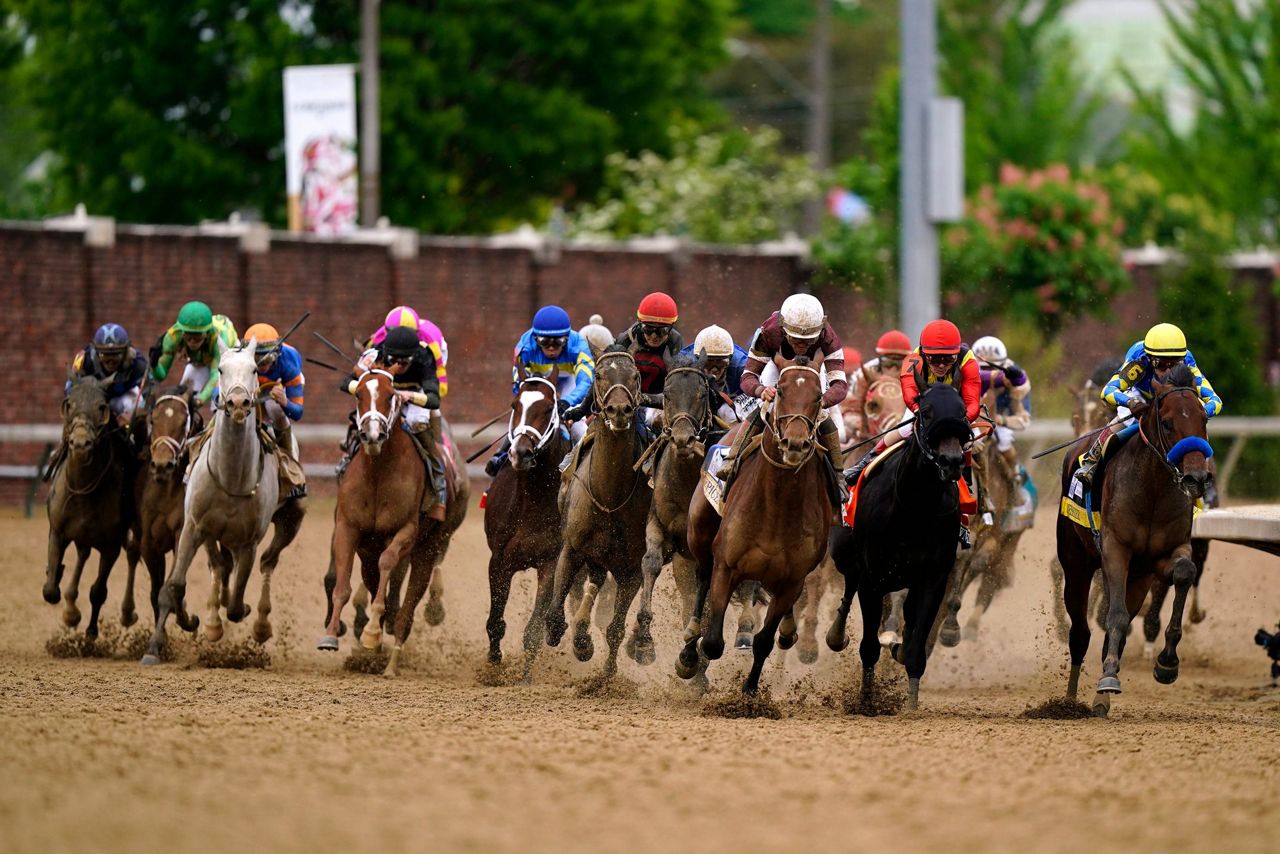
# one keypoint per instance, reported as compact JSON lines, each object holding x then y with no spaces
{"x":1164,"y":422}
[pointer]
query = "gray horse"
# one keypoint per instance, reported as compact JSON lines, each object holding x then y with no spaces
{"x":233,"y":495}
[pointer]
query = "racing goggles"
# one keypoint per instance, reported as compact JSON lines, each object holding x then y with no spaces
{"x":551,"y":342}
{"x":940,"y":360}
{"x":655,"y":330}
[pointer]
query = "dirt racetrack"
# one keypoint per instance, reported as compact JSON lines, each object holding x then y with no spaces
{"x":105,"y":755}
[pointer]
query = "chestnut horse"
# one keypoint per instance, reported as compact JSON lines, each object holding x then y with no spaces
{"x":604,"y":508}
{"x":88,"y":504}
{"x":904,"y":534}
{"x":775,"y":523}
{"x":1144,"y":536}
{"x":522,"y":513}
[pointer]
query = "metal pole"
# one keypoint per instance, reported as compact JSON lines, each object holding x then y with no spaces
{"x":918,"y":252}
{"x":370,"y":154}
{"x":819,"y":135}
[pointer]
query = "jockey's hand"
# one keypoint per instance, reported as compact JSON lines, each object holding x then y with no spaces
{"x":768,"y":393}
{"x":1137,"y":407}
{"x":1016,"y":422}
{"x":433,"y":400}
{"x":278,"y":395}
{"x":562,"y":406}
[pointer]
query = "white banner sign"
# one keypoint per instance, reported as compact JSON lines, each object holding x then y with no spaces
{"x":320,"y":148}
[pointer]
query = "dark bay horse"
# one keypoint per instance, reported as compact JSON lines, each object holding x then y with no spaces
{"x":904,"y":535}
{"x":88,"y":505}
{"x":775,"y":524}
{"x":678,"y":455}
{"x":1148,"y":492}
{"x":604,"y":508}
{"x":522,"y":512}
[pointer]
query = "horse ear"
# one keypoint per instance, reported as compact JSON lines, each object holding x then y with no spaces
{"x":701,"y":361}
{"x":554,"y":376}
{"x":1158,"y":387}
{"x":66,"y":407}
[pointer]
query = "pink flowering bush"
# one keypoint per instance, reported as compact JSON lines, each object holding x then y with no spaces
{"x":1039,"y":245}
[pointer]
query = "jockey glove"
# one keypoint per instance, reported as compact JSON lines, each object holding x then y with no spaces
{"x":562,"y":406}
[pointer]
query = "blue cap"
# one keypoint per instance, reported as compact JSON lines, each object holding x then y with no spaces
{"x":551,"y":320}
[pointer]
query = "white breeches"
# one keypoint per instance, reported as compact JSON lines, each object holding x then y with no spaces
{"x":123,"y":407}
{"x":417,"y":418}
{"x":1004,"y":438}
{"x":194,"y":377}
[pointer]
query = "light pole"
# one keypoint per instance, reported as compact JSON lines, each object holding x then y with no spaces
{"x":370,"y":153}
{"x":918,"y":252}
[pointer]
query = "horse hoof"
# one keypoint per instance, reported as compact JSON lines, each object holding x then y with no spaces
{"x":371,"y":640}
{"x":1149,"y":649}
{"x":787,"y":641}
{"x":433,"y":613}
{"x":888,"y":639}
{"x":128,"y":618}
{"x":52,"y":594}
{"x":686,"y":669}
{"x":1197,"y":615}
{"x":150,"y":660}
{"x":743,"y":641}
{"x":328,"y":643}
{"x":213,"y":633}
{"x":837,"y":644}
{"x":808,"y":653}
{"x":644,"y":653}
{"x":1101,"y":705}
{"x":711,"y":650}
{"x":556,"y":629}
{"x":947,"y":636}
{"x":71,"y":617}
{"x":1109,"y":685}
{"x":236,"y":616}
{"x":583,"y":648}
{"x":262,"y":632}
{"x":1165,"y":675}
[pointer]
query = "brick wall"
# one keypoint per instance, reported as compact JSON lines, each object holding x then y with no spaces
{"x":55,"y":290}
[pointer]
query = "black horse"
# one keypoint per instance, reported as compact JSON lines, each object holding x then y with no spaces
{"x":904,"y":535}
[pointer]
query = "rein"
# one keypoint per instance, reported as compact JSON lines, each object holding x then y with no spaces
{"x":97,"y":481}
{"x":1166,"y":452}
{"x":173,"y":444}
{"x":632,"y":397}
{"x":776,"y":424}
{"x":540,"y":438}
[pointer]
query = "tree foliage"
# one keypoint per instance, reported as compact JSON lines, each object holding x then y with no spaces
{"x":1229,"y":55}
{"x":172,"y":112}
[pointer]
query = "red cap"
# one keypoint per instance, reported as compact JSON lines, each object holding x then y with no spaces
{"x":894,"y":343}
{"x":940,"y":336}
{"x":852,"y":358}
{"x":657,"y":307}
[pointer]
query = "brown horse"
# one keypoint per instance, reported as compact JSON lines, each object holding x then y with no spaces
{"x":522,"y":513}
{"x":604,"y":508}
{"x":378,"y":518}
{"x":678,"y":454}
{"x":1147,"y":495}
{"x":88,"y":505}
{"x":776,"y":519}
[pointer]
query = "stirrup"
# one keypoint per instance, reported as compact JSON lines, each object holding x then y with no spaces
{"x":1085,"y":473}
{"x":966,"y":542}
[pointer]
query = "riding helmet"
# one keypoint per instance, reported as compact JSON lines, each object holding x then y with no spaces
{"x":266,"y":335}
{"x":195,"y":316}
{"x":110,"y":336}
{"x":402,"y":315}
{"x":940,"y":337}
{"x":401,"y":341}
{"x":1165,"y":339}
{"x":657,"y":308}
{"x":990,"y":349}
{"x":715,"y":341}
{"x":893,"y":343}
{"x":551,"y":321}
{"x":803,"y":316}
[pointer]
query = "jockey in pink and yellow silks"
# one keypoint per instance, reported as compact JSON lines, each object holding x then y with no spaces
{"x":428,"y":333}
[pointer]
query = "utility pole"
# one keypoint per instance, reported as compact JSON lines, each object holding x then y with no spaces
{"x":918,"y":252}
{"x":819,"y":132}
{"x":370,"y":153}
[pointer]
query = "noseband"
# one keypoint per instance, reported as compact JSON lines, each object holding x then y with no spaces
{"x":540,"y":438}
{"x":374,"y":415}
{"x":702,"y":423}
{"x":601,"y":400}
{"x":1169,"y":455}
{"x":777,"y":423}
{"x":168,"y":441}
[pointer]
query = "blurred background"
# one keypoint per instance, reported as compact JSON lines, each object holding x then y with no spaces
{"x":1119,"y":168}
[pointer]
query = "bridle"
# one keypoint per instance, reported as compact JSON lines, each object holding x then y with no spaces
{"x":540,"y":438}
{"x":374,"y":414}
{"x":96,"y":432}
{"x":929,"y":453}
{"x":700,"y":424}
{"x":633,"y":397}
{"x":777,"y":423}
{"x":178,"y":447}
{"x":1171,"y":455}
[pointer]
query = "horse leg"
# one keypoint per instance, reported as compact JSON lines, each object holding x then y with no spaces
{"x":871,"y":606}
{"x":689,"y":662}
{"x":534,"y":629}
{"x":1184,"y":573}
{"x":433,"y":613}
{"x":154,"y":560}
{"x":1199,"y":554}
{"x":628,"y":586}
{"x":132,"y":553}
{"x":814,"y":586}
{"x":745,"y":596}
{"x":1059,"y":610}
{"x":342,"y":556}
{"x":891,"y":631}
{"x":837,"y":639}
{"x":70,"y":613}
{"x":994,"y":579}
{"x":567,"y":566}
{"x":54,"y":567}
{"x":656,"y":548}
{"x":921,"y":609}
{"x":392,"y":556}
{"x":499,"y":592}
{"x":98,"y":592}
{"x":583,"y":648}
{"x":173,"y":593}
{"x":286,"y":523}
{"x":762,"y":644}
{"x":237,"y":610}
{"x":1115,"y":574}
{"x":722,"y":586}
{"x":422,"y":563}
{"x":1151,"y":622}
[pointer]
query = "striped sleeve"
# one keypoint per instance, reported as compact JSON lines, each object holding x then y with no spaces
{"x":1209,"y":397}
{"x":442,"y":376}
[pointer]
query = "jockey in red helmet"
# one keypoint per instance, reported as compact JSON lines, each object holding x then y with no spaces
{"x":653,"y":339}
{"x":891,"y":348}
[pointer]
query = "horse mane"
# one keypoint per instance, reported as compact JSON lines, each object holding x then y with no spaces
{"x":616,"y":348}
{"x":1180,"y":376}
{"x":802,"y":361}
{"x":682,"y":360}
{"x":943,"y":411}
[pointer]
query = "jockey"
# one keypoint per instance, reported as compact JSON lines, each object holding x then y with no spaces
{"x":891,"y":348}
{"x":280,"y":373}
{"x":800,"y":328}
{"x":428,"y":333}
{"x":1012,"y":387}
{"x":111,"y":359}
{"x":550,"y":348}
{"x":201,"y":336}
{"x":1130,"y":390}
{"x":412,"y":366}
{"x":652,"y":339}
{"x":597,"y":335}
{"x":725,"y":362}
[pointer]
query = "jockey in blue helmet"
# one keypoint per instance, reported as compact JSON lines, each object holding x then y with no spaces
{"x":111,"y":358}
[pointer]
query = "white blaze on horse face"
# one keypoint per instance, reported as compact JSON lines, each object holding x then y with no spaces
{"x":375,"y":426}
{"x":527,"y":399}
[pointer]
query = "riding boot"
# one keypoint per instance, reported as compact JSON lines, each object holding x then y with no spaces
{"x":290,"y":465}
{"x":852,"y":474}
{"x":434,"y":496}
{"x":498,"y":460}
{"x":55,"y":461}
{"x":830,"y":438}
{"x":348,"y":447}
{"x":750,"y":428}
{"x":1089,"y":461}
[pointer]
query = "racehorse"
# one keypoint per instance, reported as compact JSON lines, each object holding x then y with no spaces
{"x":522,"y":512}
{"x":233,"y":497}
{"x":1143,"y":531}
{"x":905,"y":527}
{"x":604,"y":508}
{"x":775,"y":523}
{"x":678,"y":454}
{"x":88,"y":502}
{"x":378,"y":518}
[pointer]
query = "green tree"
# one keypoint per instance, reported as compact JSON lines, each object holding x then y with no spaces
{"x":1228,"y":54}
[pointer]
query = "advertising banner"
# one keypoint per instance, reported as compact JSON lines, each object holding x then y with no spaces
{"x":320,"y":148}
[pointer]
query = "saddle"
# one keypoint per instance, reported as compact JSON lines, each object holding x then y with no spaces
{"x":851,"y":506}
{"x":1085,"y":510}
